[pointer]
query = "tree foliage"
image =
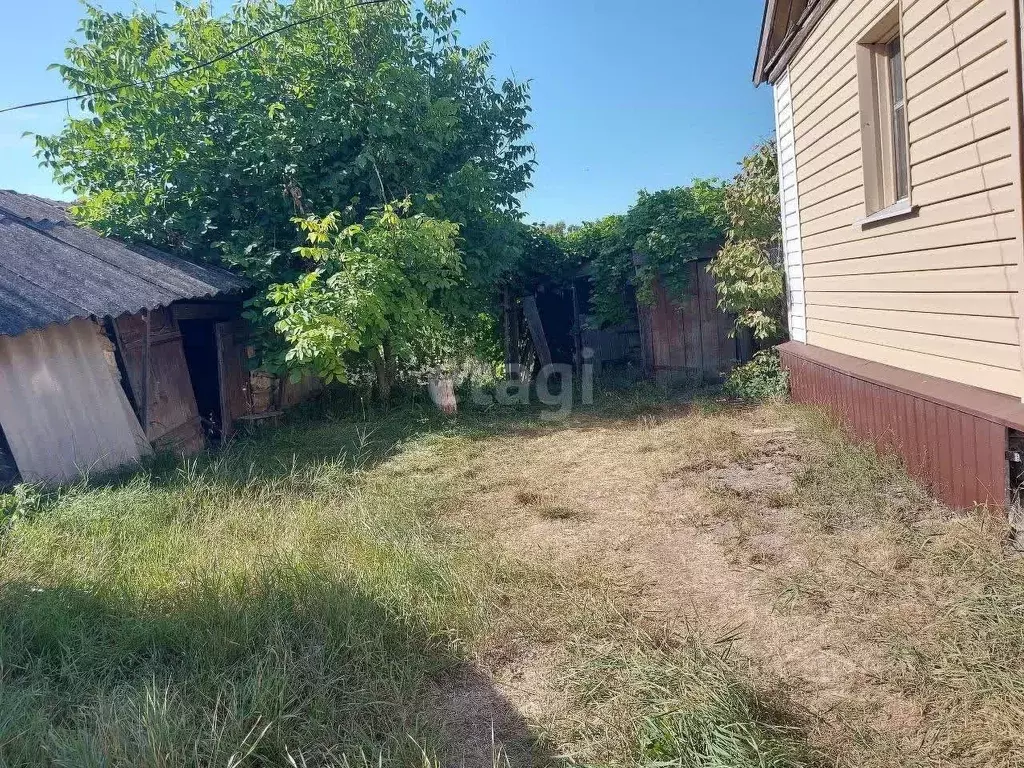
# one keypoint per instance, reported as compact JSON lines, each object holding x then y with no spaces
{"x":601,"y":245}
{"x":667,"y":230}
{"x":752,"y":197}
{"x":652,"y":243}
{"x":346,"y":114}
{"x":543,"y":259}
{"x":748,"y":269}
{"x":381,"y":289}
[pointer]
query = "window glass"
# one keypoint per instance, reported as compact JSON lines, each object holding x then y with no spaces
{"x":896,"y":70}
{"x":899,"y":120}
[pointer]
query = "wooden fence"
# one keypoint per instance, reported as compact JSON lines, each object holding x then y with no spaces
{"x":688,"y":339}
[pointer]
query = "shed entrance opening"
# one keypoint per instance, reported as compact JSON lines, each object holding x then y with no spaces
{"x":9,"y":474}
{"x":200,"y":342}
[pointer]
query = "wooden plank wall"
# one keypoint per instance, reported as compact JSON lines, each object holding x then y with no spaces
{"x":935,"y":293}
{"x":958,"y":455}
{"x":689,"y":339}
{"x":296,"y":392}
{"x":172,"y":413}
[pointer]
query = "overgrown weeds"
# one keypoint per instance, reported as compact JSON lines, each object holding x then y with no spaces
{"x":846,"y":484}
{"x":293,"y":600}
{"x":966,"y":666}
{"x":283,"y":601}
{"x":937,"y":593}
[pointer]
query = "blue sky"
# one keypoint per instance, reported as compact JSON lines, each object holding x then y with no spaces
{"x":627,"y":95}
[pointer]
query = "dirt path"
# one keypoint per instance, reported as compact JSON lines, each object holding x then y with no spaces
{"x":703,"y":518}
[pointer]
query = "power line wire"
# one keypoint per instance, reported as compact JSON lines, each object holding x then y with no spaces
{"x":194,"y":67}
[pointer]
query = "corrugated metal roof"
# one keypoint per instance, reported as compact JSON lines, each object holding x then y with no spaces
{"x":52,"y":270}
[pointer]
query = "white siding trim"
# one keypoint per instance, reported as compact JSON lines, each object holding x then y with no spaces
{"x":794,"y":257}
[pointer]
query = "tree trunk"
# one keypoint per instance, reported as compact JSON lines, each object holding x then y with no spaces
{"x":384,"y":370}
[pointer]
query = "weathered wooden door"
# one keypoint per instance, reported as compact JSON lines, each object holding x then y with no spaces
{"x":164,"y":399}
{"x":233,"y":373}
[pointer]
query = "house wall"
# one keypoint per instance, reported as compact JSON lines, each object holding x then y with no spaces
{"x":935,"y":293}
{"x":951,"y":437}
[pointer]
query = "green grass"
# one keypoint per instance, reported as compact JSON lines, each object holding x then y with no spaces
{"x":844,"y":484}
{"x":959,"y":653}
{"x":658,"y":700}
{"x":283,"y":599}
{"x":967,"y":667}
{"x":295,"y":599}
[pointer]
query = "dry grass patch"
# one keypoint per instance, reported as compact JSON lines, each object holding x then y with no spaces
{"x":840,"y":581}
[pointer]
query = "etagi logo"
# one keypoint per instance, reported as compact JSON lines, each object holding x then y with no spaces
{"x":555,"y":386}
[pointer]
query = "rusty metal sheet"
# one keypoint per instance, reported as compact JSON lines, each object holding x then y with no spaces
{"x":62,"y":406}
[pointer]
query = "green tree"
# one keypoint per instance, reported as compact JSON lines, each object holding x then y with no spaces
{"x":669,"y":229}
{"x":652,"y":244}
{"x":545,"y":259}
{"x":382,"y":290}
{"x":601,"y":245}
{"x":345,"y":114}
{"x":748,"y":269}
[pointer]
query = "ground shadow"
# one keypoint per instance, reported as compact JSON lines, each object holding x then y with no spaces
{"x":283,"y":667}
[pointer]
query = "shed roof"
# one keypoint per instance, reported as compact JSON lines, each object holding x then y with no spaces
{"x":52,"y":270}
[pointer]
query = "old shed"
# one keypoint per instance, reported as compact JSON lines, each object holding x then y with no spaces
{"x":108,"y":349}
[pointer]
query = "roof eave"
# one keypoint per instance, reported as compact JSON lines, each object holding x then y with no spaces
{"x":762,"y":48}
{"x":769,"y":70}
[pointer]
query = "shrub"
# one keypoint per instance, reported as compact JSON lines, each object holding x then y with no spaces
{"x":748,"y":271}
{"x":751,"y":288}
{"x":763,"y":378}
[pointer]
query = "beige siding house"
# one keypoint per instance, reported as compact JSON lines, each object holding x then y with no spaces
{"x":899,"y":134}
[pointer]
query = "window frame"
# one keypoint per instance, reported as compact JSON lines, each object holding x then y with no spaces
{"x":884,"y":126}
{"x":898,"y":120}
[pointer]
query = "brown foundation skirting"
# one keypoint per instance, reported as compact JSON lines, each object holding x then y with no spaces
{"x":952,"y":437}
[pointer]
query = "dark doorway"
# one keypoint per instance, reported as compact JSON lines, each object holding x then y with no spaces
{"x":9,"y":474}
{"x":200,"y":344}
{"x":556,"y":313}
